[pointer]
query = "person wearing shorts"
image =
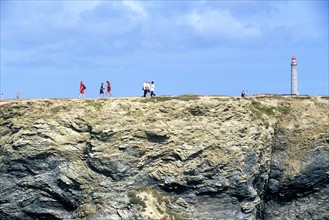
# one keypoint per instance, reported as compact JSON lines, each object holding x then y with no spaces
{"x":101,"y":91}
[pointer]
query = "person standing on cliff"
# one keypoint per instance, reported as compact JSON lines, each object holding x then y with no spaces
{"x":145,"y":88}
{"x":101,"y":91}
{"x":244,"y":93}
{"x":148,"y":87}
{"x":152,"y":89}
{"x":108,"y":89}
{"x":82,"y":90}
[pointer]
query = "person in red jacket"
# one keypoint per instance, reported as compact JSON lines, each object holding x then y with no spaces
{"x":82,"y":90}
{"x":108,"y":90}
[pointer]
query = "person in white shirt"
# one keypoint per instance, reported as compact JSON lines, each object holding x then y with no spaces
{"x":145,"y":88}
{"x":152,"y":89}
{"x":148,"y":87}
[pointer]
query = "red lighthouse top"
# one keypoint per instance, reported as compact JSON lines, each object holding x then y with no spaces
{"x":293,"y":59}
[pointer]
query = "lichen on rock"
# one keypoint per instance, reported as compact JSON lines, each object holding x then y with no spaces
{"x":187,"y":157}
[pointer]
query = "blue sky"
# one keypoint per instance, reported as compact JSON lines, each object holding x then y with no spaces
{"x":186,"y":47}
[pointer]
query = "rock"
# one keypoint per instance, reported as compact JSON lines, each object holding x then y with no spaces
{"x":185,"y":157}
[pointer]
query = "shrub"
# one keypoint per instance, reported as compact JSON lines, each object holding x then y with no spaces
{"x":284,"y":109}
{"x":258,"y":109}
{"x":95,"y":104}
{"x":134,"y":199}
{"x":186,"y":98}
{"x":56,"y":110}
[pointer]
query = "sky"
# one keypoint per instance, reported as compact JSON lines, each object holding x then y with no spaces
{"x":185,"y":47}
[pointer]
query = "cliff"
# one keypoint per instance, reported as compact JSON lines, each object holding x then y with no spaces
{"x":185,"y":157}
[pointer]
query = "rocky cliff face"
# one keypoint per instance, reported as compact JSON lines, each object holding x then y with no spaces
{"x":185,"y":157}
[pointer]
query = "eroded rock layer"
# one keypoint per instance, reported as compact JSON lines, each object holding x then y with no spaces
{"x":186,"y":157}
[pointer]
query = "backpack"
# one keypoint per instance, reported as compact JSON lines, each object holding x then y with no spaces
{"x":84,"y":86}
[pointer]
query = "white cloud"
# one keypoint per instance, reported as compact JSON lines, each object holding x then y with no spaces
{"x":74,"y":10}
{"x":220,"y":24}
{"x":299,"y":17}
{"x":85,"y":26}
{"x":136,"y":7}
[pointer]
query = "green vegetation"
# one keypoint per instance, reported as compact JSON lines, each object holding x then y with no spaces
{"x":269,"y":96}
{"x":159,"y":209}
{"x":160,"y":198}
{"x":186,"y":98}
{"x":284,"y":109}
{"x":134,"y":199}
{"x":269,"y":110}
{"x":259,"y":109}
{"x":302,"y":97}
{"x":157,"y":99}
{"x":281,"y":110}
{"x":56,"y":110}
{"x":95,"y":104}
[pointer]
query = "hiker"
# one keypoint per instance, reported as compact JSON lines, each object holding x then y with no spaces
{"x":148,"y":87}
{"x":108,"y":91}
{"x":152,"y":89}
{"x":144,"y":88}
{"x":82,"y":90}
{"x":244,"y":93}
{"x":101,"y":91}
{"x":17,"y":95}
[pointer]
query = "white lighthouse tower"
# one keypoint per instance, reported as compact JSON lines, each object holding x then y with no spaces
{"x":294,"y":88}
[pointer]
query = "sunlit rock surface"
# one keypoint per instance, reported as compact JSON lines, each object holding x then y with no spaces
{"x":186,"y":157}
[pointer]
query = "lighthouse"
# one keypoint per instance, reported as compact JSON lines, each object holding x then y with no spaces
{"x":294,"y":88}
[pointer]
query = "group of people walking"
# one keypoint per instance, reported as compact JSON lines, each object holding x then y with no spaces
{"x":101,"y":90}
{"x":148,"y":88}
{"x":108,"y":90}
{"x":244,"y":93}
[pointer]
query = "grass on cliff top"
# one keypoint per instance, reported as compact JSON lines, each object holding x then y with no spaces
{"x":95,"y":104}
{"x":186,"y":98}
{"x":269,"y":110}
{"x":56,"y":109}
{"x":259,"y":109}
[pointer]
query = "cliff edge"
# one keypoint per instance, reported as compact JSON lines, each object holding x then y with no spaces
{"x":185,"y":157}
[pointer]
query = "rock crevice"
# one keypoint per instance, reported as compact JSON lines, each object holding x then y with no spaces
{"x":186,"y":157}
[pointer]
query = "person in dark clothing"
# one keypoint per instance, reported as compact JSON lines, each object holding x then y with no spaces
{"x":152,"y":89}
{"x":101,"y":91}
{"x":244,"y":93}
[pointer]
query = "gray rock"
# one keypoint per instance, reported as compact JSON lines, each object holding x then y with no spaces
{"x":185,"y":157}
